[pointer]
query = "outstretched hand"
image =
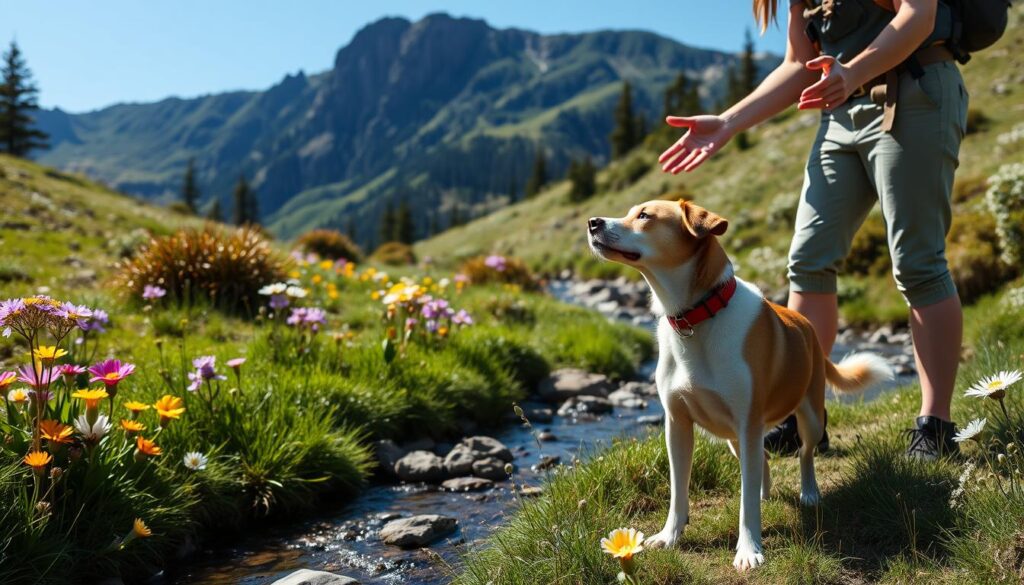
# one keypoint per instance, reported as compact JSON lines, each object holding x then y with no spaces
{"x":831,"y":90}
{"x":705,"y":135}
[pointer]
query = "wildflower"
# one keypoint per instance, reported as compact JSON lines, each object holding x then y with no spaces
{"x":278,"y":288}
{"x":462,"y":318}
{"x":92,"y":400}
{"x":18,"y":396}
{"x":622,"y":544}
{"x":169,"y":408}
{"x":435,"y":309}
{"x":37,"y":460}
{"x":146,"y":448}
{"x":139,"y":530}
{"x":206,"y":366}
{"x":312,"y":317}
{"x":92,"y":432}
{"x":132,"y":426}
{"x":995,"y":386}
{"x":296,"y":292}
{"x":97,"y":322}
{"x":236,"y":363}
{"x":152,"y":292}
{"x":410,"y":324}
{"x":195,"y":461}
{"x":47,"y":354}
{"x":55,"y":432}
{"x":278,"y":302}
{"x":111,"y":373}
{"x":70,"y":372}
{"x":496,"y":262}
{"x":7,"y":378}
{"x":36,"y":377}
{"x":442,"y":331}
{"x":135,"y":408}
{"x":972,"y":430}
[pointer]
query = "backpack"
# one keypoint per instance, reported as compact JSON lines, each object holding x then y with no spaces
{"x":971,"y":25}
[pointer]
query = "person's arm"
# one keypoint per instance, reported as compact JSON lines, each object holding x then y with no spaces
{"x":780,"y":89}
{"x":912,"y":24}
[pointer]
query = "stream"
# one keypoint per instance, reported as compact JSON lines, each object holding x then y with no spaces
{"x":345,"y":539}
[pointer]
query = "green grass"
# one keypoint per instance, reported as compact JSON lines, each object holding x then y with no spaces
{"x":883,"y":518}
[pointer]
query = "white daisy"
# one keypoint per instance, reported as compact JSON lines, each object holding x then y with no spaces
{"x":195,"y":461}
{"x":995,"y":386}
{"x":972,"y":430}
{"x":274,"y":289}
{"x":96,"y":430}
{"x":296,"y":292}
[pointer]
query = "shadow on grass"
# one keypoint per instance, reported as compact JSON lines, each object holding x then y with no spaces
{"x":884,"y":508}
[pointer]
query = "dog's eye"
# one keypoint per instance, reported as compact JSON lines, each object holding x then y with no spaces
{"x":642,"y":215}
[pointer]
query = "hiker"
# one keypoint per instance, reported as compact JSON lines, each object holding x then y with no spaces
{"x":893,"y":112}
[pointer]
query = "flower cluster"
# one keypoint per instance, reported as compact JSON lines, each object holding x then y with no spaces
{"x":281,"y":292}
{"x":1005,"y":200}
{"x":31,"y":315}
{"x":311,"y":319}
{"x":411,"y":306}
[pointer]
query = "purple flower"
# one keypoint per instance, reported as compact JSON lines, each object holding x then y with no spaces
{"x":436,"y":309}
{"x":96,"y":322}
{"x":152,"y":292}
{"x":37,"y":379}
{"x":496,"y":262}
{"x":195,"y":381}
{"x":74,"y":313}
{"x":206,"y":368}
{"x":111,"y":372}
{"x":431,"y":326}
{"x":462,"y":318}
{"x":410,"y":323}
{"x":312,"y":317}
{"x":278,"y":302}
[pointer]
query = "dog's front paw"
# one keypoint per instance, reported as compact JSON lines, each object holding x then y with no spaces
{"x":665,"y":539}
{"x":810,"y":498}
{"x":748,"y":556}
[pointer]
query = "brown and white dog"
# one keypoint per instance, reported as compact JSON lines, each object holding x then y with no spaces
{"x":729,"y":360}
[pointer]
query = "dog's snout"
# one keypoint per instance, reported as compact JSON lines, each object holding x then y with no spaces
{"x":595,"y":223}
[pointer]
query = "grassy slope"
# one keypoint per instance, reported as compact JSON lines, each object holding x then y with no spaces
{"x":756,"y":189}
{"x":329,"y":399}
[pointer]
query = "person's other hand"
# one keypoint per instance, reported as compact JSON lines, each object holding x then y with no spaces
{"x":704,"y":136}
{"x":831,"y":90}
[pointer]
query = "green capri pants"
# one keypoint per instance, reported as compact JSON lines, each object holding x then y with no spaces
{"x":853,"y":163}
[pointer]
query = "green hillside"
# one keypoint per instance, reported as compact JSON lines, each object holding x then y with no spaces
{"x":758,"y":189}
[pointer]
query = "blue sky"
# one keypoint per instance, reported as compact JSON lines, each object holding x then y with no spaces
{"x":90,"y":54}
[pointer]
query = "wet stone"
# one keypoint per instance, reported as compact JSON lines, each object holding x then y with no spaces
{"x":417,"y":531}
{"x":490,"y":468}
{"x":309,"y":577}
{"x":585,"y":405}
{"x":420,"y":466}
{"x":547,"y":462}
{"x":568,"y":383}
{"x":459,"y":461}
{"x":546,"y":436}
{"x":467,"y":484}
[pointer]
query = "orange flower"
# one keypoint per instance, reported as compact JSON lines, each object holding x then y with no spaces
{"x":132,"y":426}
{"x":169,"y":408}
{"x":140,"y":530}
{"x":37,"y":460}
{"x":55,"y":432}
{"x":146,"y":448}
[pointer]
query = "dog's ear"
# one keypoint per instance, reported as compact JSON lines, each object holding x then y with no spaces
{"x":700,"y":222}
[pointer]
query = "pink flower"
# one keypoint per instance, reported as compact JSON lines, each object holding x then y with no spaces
{"x":236,"y":363}
{"x":111,"y":372}
{"x":71,"y":371}
{"x":152,"y":292}
{"x":38,"y":380}
{"x":462,"y":318}
{"x":496,"y":262}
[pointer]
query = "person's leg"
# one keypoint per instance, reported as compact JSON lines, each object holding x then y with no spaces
{"x":913,"y":168}
{"x":822,"y":310}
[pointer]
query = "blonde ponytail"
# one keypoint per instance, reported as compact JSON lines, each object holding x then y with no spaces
{"x":765,"y":12}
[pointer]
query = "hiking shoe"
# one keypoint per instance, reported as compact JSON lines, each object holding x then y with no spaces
{"x":785,"y":440}
{"x":933,"y":438}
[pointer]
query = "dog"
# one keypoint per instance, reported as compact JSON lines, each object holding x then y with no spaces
{"x":728,"y":359}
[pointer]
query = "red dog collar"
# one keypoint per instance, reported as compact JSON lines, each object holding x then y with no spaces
{"x":705,"y":309}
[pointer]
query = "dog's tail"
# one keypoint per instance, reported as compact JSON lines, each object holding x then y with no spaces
{"x":857,"y":372}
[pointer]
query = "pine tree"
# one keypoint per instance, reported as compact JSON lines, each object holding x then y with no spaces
{"x":513,"y":189}
{"x":189,"y":189}
{"x":387,"y":224}
{"x":215,"y":213}
{"x":17,"y":101}
{"x":748,"y":66}
{"x":539,"y":175}
{"x":405,"y":229}
{"x":243,"y":212}
{"x":455,"y":218}
{"x":682,"y":97}
{"x":583,"y":179}
{"x":624,"y":135}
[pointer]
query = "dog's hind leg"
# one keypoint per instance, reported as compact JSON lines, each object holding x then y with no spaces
{"x":751,"y":453}
{"x":679,"y":440}
{"x":810,"y":425}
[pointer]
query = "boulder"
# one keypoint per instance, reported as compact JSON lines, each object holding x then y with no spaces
{"x":490,"y":468}
{"x":308,"y":577}
{"x":467,"y":484}
{"x":483,"y":446}
{"x":388,"y":454}
{"x":459,"y":460}
{"x":625,"y":398}
{"x":531,"y":491}
{"x":567,"y":383}
{"x":417,"y":531}
{"x":547,"y":462}
{"x":585,"y":405}
{"x":420,"y":466}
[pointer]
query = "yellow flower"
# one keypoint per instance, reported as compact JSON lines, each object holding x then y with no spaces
{"x":332,"y":294}
{"x":48,"y":353}
{"x":18,"y":396}
{"x":135,"y":407}
{"x":442,"y":331}
{"x":623,"y":543}
{"x":91,"y":397}
{"x":132,"y":426}
{"x":326,"y":264}
{"x":37,"y":460}
{"x":55,"y":432}
{"x":140,"y":530}
{"x":146,"y":447}
{"x":169,"y":408}
{"x":317,"y":279}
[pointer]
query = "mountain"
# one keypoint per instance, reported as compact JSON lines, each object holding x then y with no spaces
{"x":440,"y":112}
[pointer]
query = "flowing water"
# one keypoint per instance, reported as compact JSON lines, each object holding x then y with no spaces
{"x":346,"y":540}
